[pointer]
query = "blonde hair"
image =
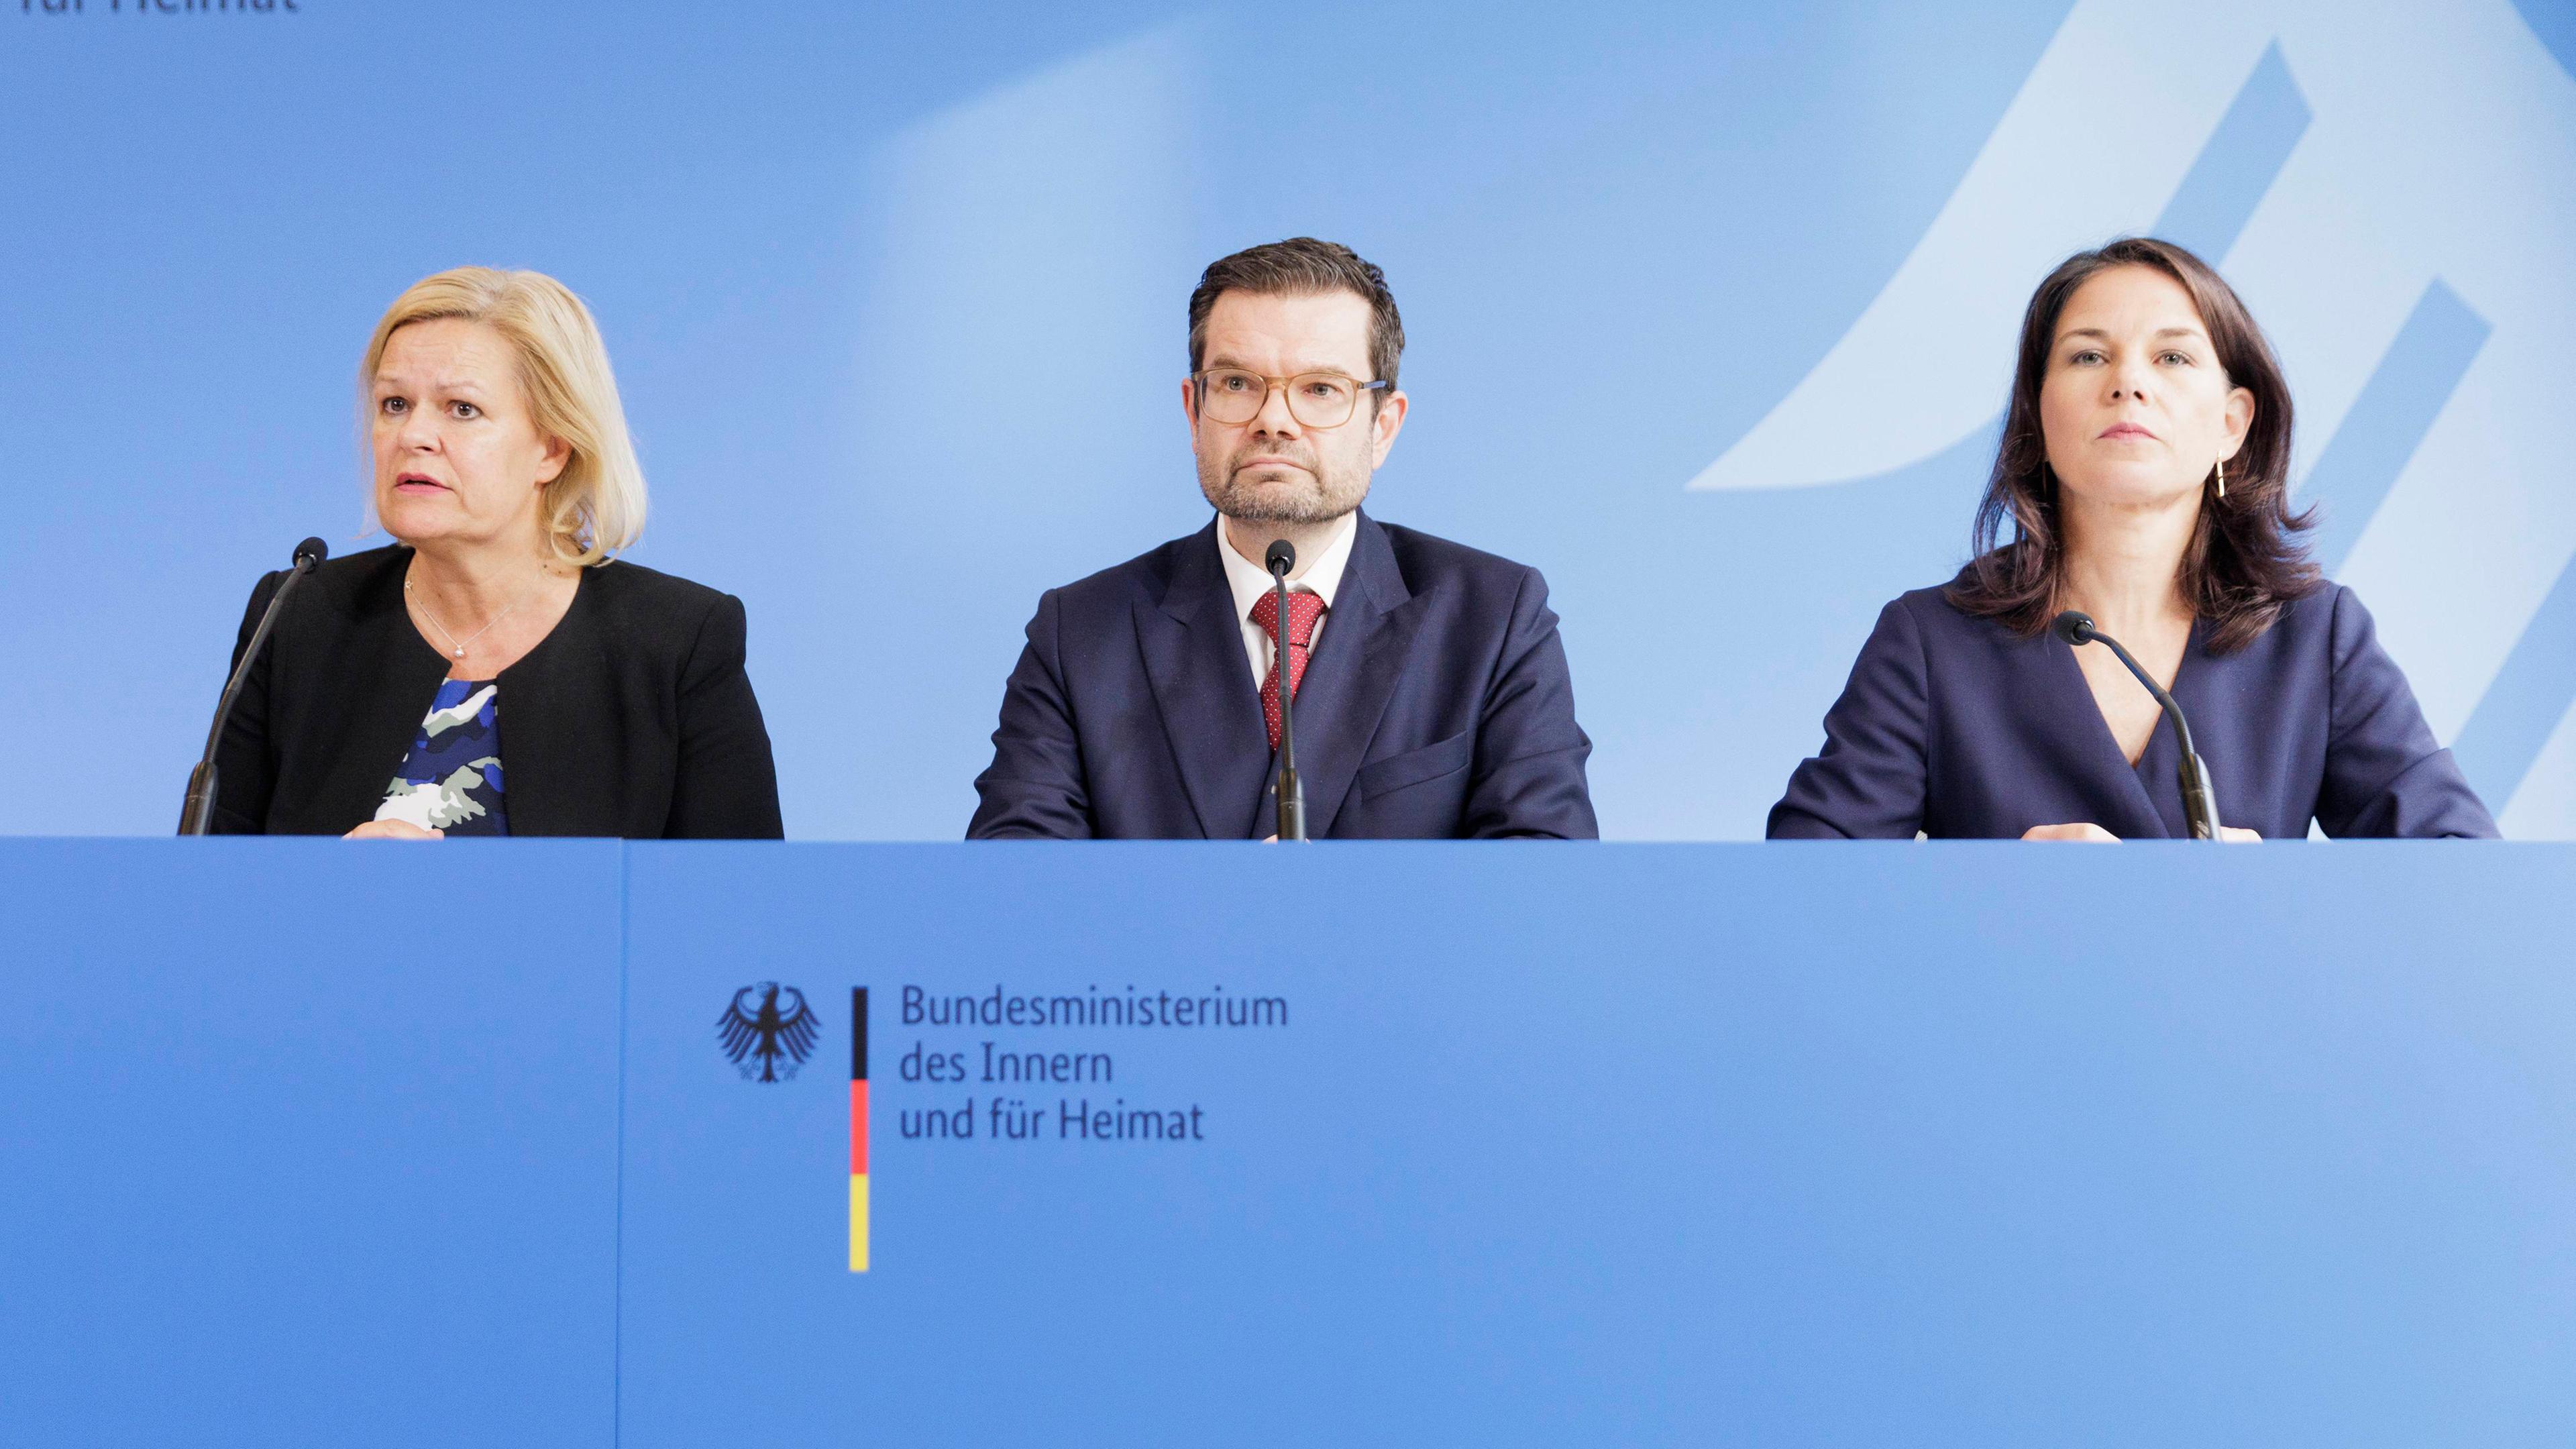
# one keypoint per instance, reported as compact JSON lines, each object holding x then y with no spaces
{"x":595,"y":506}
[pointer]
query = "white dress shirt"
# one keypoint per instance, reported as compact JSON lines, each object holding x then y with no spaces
{"x":1250,"y":581}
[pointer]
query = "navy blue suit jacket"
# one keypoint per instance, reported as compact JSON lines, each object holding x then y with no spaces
{"x":1437,"y":705}
{"x":1953,"y":726}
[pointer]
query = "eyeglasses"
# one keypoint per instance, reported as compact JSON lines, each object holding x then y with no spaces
{"x":1317,"y":399}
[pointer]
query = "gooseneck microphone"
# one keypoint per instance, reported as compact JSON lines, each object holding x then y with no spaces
{"x":1292,"y":794}
{"x":2199,"y":799}
{"x":198,"y":814}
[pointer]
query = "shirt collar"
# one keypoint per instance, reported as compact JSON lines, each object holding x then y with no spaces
{"x":1323,"y":578}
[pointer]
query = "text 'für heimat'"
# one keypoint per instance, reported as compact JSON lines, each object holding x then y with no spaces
{"x":977,"y":1040}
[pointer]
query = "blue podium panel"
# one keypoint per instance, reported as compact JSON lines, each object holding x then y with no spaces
{"x":1721,"y":1144}
{"x":308,"y":1143}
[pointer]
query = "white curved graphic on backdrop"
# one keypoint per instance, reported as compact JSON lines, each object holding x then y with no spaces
{"x":2440,"y":161}
{"x":2048,"y":182}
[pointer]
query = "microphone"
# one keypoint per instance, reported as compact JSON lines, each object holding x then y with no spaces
{"x":1281,"y":558}
{"x":197,"y":815}
{"x":2199,"y":797}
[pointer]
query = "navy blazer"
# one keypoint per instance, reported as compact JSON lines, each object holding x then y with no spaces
{"x":1437,"y":705}
{"x":1953,"y":726}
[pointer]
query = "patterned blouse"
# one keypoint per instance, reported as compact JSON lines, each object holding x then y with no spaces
{"x":451,"y":780}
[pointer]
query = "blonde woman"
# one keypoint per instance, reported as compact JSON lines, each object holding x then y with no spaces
{"x":495,"y":671}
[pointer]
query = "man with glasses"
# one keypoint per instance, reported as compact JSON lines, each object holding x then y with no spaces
{"x":1430,"y":691}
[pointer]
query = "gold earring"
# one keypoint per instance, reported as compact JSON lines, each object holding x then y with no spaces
{"x":2222,"y":478}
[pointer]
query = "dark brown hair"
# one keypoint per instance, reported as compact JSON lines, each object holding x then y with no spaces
{"x":1302,"y":266}
{"x":2242,"y":564}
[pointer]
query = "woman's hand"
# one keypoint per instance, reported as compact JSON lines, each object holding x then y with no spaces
{"x":2085,"y":831}
{"x":2235,"y":835}
{"x":393,"y":830}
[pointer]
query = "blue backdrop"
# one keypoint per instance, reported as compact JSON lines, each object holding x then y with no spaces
{"x":1711,"y":311}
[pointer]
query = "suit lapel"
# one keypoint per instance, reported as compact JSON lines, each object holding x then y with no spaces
{"x":1203,"y":685}
{"x":394,"y":676}
{"x":2158,"y":772}
{"x":2110,"y":782}
{"x":557,"y":780}
{"x":1368,"y":637}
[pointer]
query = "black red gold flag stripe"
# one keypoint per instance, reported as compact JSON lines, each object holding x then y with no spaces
{"x":858,"y":1129}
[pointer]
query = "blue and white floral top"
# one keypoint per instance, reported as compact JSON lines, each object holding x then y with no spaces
{"x":451,"y":780}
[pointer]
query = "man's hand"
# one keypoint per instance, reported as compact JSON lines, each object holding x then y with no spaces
{"x":2095,"y":834}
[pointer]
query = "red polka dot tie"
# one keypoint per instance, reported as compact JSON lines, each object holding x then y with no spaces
{"x":1304,"y":612}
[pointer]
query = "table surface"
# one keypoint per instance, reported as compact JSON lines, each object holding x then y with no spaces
{"x":1833,"y":1144}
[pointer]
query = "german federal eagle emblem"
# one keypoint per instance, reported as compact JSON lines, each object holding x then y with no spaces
{"x":768,"y":1031}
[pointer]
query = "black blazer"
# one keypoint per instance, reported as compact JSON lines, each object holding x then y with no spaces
{"x":633,"y":718}
{"x":1437,"y":706}
{"x":1953,"y":726}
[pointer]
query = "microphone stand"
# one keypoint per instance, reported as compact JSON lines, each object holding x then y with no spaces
{"x":1292,"y":793}
{"x":197,"y":813}
{"x":2199,"y":797}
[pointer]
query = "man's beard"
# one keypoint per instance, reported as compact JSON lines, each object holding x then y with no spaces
{"x":1324,"y":494}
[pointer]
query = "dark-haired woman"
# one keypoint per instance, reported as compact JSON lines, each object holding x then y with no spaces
{"x":2143,"y":479}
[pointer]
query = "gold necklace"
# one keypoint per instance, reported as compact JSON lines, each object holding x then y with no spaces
{"x":459,"y":646}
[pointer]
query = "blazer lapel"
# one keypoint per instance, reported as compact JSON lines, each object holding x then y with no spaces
{"x":1203,"y":685}
{"x":2159,"y":771}
{"x":393,"y":676}
{"x":2110,"y":782}
{"x":1368,"y":636}
{"x":556,"y":778}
